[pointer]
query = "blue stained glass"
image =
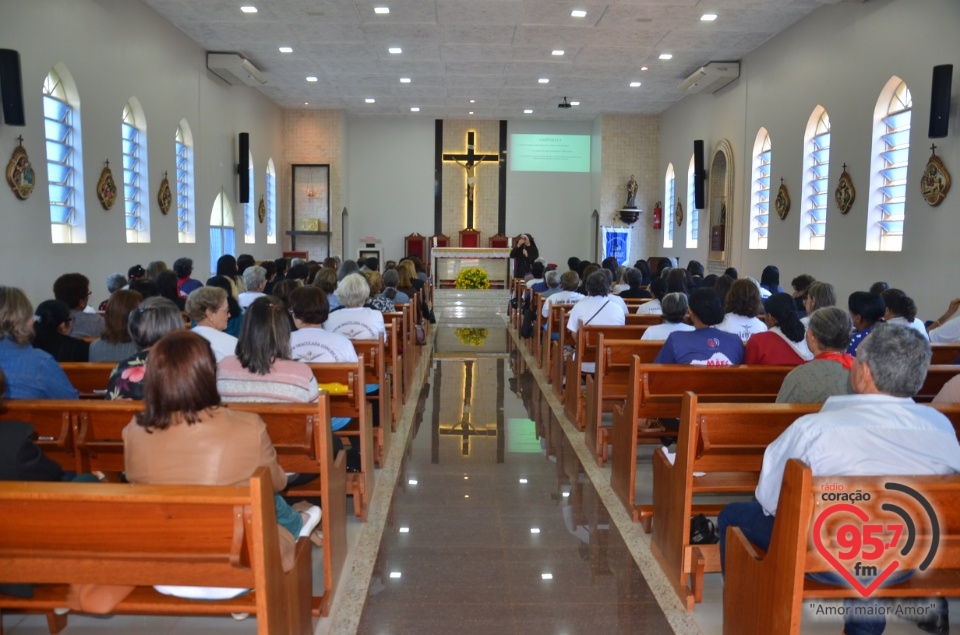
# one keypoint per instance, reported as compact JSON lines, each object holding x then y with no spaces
{"x":228,"y":241}
{"x":132,"y":222}
{"x":54,"y":108}
{"x":57,"y":152}
{"x":898,"y":191}
{"x":818,"y":229}
{"x":128,"y":132}
{"x":897,"y":139}
{"x":895,"y":174}
{"x":764,"y":169}
{"x":57,"y":173}
{"x":898,"y":121}
{"x":761,"y":231}
{"x":55,"y":131}
{"x":59,"y":193}
{"x":897,"y":157}
{"x":818,"y":215}
{"x":130,"y":192}
{"x":60,"y":214}
{"x":891,"y":210}
{"x":129,"y":148}
{"x":891,"y":226}
{"x":821,"y":171}
{"x":821,"y":156}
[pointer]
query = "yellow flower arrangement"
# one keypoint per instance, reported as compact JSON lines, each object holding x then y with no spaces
{"x":473,"y":278}
{"x":472,"y":336}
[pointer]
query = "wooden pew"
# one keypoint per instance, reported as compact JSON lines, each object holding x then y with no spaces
{"x":538,"y":322}
{"x":639,"y":320}
{"x":374,"y":359}
{"x":727,"y":442}
{"x":393,"y":322}
{"x":352,"y":404}
{"x":610,"y":384}
{"x":145,"y":535}
{"x":945,"y":353}
{"x":937,"y":376}
{"x":299,"y":432}
{"x":765,"y":592}
{"x":556,"y":321}
{"x":658,"y":392}
{"x":586,"y":353}
{"x":89,"y":378}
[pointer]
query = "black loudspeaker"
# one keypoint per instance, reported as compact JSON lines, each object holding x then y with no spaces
{"x":940,"y":100}
{"x":11,"y":88}
{"x":698,"y":175}
{"x":243,"y":167}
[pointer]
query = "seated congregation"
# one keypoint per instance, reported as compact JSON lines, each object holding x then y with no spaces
{"x":269,"y":376}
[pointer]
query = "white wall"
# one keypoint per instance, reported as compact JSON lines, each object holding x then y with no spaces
{"x":389,"y":168}
{"x":115,"y":50}
{"x":840,"y":57}
{"x":554,"y":207}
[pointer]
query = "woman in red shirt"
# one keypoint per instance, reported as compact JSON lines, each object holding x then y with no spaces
{"x":785,"y":342}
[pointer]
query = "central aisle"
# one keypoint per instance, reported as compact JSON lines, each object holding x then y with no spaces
{"x":494,"y":526}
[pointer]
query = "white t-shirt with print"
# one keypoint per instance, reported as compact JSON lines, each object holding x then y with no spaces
{"x":358,"y":323}
{"x":742,"y":326}
{"x":321,"y":346}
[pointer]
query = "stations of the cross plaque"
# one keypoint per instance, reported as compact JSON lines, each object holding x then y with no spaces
{"x":469,"y":162}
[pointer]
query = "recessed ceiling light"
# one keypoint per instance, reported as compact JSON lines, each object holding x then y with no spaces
{"x":412,"y":481}
{"x":528,"y":112}
{"x":634,"y":84}
{"x":395,"y":50}
{"x":566,"y":494}
{"x":523,"y":481}
{"x":534,"y":530}
{"x":395,"y":574}
{"x":708,"y":17}
{"x":466,"y":495}
{"x":470,"y":113}
{"x":574,"y":103}
{"x":306,"y":103}
{"x":578,"y":13}
{"x":666,"y":56}
{"x":557,"y":52}
{"x":370,"y":100}
{"x":414,"y":109}
{"x":473,"y":101}
{"x":249,"y":9}
{"x":311,"y":78}
{"x":404,"y":530}
{"x":286,"y":49}
{"x":404,"y":80}
{"x":381,"y":10}
{"x":643,"y":68}
{"x":546,"y":576}
{"x":543,"y":80}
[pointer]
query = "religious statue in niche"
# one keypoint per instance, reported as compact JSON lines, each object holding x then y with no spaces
{"x":782,"y":202}
{"x":679,"y":213}
{"x":846,"y":194}
{"x":935,"y":182}
{"x":20,"y":173}
{"x":106,"y":187}
{"x":164,"y":196}
{"x":631,"y":193}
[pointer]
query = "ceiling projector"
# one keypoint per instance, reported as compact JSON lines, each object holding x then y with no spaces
{"x":564,"y":104}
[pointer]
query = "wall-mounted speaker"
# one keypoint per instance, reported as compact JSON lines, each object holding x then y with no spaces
{"x":699,"y":175}
{"x":940,"y":100}
{"x":11,"y":88}
{"x":243,"y":167}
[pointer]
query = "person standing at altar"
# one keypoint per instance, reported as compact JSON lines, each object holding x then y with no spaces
{"x":524,"y":254}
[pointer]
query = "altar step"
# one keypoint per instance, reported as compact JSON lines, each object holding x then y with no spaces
{"x":471,"y":307}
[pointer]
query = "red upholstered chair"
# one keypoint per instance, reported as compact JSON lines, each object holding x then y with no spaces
{"x":469,"y":238}
{"x":415,"y":244}
{"x":499,"y":241}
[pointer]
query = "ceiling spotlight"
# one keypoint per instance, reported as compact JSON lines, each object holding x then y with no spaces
{"x":574,"y":103}
{"x":528,"y":111}
{"x":543,"y":80}
{"x":578,"y":13}
{"x":395,"y":575}
{"x":311,"y":79}
{"x":634,"y":84}
{"x":470,"y":113}
{"x":666,"y":56}
{"x":404,"y":530}
{"x":708,"y":17}
{"x":414,"y":109}
{"x":557,"y":52}
{"x":286,"y":49}
{"x":381,"y":10}
{"x":370,"y":100}
{"x":546,"y":576}
{"x":306,"y":103}
{"x":404,"y":80}
{"x":395,"y":50}
{"x":248,"y":9}
{"x":473,"y":101}
{"x":643,"y":68}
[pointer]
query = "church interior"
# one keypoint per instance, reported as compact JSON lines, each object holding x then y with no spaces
{"x":292,"y":127}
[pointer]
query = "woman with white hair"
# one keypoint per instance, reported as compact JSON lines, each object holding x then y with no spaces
{"x":353,"y":319}
{"x":675,"y":307}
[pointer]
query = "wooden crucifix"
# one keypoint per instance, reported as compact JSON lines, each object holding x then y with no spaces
{"x":469,"y":162}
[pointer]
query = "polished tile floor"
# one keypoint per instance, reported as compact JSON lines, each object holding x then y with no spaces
{"x":494,"y":526}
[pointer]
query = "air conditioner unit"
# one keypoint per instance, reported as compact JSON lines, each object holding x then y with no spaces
{"x":711,"y":78}
{"x":235,"y":70}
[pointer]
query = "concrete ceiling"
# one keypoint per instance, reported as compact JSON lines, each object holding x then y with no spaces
{"x":492,"y":51}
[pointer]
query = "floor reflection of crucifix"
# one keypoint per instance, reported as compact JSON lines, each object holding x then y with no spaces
{"x":469,"y":162}
{"x":465,"y":428}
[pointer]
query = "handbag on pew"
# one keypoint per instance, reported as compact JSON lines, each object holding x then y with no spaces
{"x":703,"y":531}
{"x":420,"y":333}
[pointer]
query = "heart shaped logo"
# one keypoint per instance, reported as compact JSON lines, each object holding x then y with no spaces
{"x":818,"y":541}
